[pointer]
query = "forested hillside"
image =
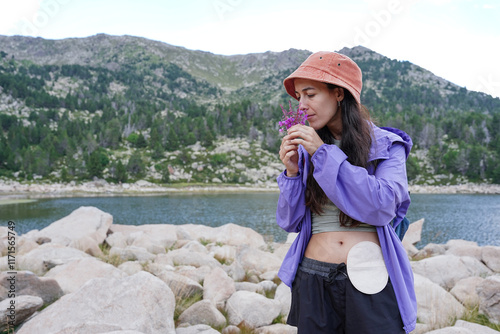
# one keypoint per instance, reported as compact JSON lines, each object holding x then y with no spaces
{"x":126,"y":108}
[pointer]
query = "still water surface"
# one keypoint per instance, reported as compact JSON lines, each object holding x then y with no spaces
{"x":468,"y":217}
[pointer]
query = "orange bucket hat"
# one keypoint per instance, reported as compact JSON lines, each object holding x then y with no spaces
{"x":328,"y":67}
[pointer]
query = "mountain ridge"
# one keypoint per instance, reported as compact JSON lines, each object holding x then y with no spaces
{"x":36,"y":49}
{"x":230,"y":73}
{"x":134,"y":48}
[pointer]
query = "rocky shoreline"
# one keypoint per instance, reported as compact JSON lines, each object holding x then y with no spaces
{"x":94,"y":276}
{"x":101,"y":187}
{"x":10,"y":188}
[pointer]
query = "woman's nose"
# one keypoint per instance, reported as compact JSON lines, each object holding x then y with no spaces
{"x":302,"y":105}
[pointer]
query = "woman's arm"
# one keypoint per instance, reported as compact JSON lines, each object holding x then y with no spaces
{"x":372,"y":199}
{"x":291,"y":203}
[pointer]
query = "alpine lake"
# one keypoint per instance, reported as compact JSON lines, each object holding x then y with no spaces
{"x":447,"y":216}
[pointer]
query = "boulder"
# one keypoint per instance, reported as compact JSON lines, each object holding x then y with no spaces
{"x":203,"y":312}
{"x":197,"y":329}
{"x":156,"y":268}
{"x":236,"y":235}
{"x":218,"y":287}
{"x":27,"y":283}
{"x":229,"y":234}
{"x":132,"y":253}
{"x":45,"y":257}
{"x":464,"y":327}
{"x":446,"y":270}
{"x":224,"y":254}
{"x":276,"y":329}
{"x":489,"y":298}
{"x":195,"y":246}
{"x":4,"y":266}
{"x":268,"y":286}
{"x":131,"y":267}
{"x":196,"y":274}
{"x":25,"y":245}
{"x":465,"y":291}
{"x":235,"y":270}
{"x":183,"y":234}
{"x":284,"y":296}
{"x":451,"y":330}
{"x":270,"y":276}
{"x":124,"y":332}
{"x":231,"y":329}
{"x":117,"y":239}
{"x":463,"y":248}
{"x":141,"y":239}
{"x":181,"y":286}
{"x":248,"y":286}
{"x":430,"y":250}
{"x":140,"y":302}
{"x":255,"y":259}
{"x":25,"y":306}
{"x":75,"y":228}
{"x":252,"y":276}
{"x":71,"y":276}
{"x":475,"y":328}
{"x":184,"y":257}
{"x":412,"y":236}
{"x":4,"y":231}
{"x":87,"y":245}
{"x":435,"y":306}
{"x":421,"y":328}
{"x":491,"y":257}
{"x":162,"y":235}
{"x":4,"y":293}
{"x":253,"y":309}
{"x":163,"y":260}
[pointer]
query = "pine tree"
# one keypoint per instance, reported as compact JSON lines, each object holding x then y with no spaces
{"x":136,"y":166}
{"x":141,"y":141}
{"x":120,"y":172}
{"x":94,"y":166}
{"x":165,"y":174}
{"x":172,"y":140}
{"x":157,"y":151}
{"x":111,"y":136}
{"x":64,"y":174}
{"x":155,"y":144}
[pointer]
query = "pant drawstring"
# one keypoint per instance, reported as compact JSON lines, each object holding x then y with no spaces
{"x":335,"y":272}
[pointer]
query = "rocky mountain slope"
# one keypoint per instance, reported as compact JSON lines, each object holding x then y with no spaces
{"x":79,"y":108}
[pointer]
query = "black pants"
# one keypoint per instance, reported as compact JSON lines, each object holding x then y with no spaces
{"x":325,"y":301}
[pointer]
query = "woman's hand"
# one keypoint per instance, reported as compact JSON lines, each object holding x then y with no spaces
{"x":305,"y":136}
{"x":289,"y":155}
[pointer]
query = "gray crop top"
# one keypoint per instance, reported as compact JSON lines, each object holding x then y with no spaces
{"x":328,"y":221}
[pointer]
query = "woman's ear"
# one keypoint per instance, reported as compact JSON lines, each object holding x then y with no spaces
{"x":340,"y":94}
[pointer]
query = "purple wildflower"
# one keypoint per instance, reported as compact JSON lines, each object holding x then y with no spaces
{"x":291,"y":117}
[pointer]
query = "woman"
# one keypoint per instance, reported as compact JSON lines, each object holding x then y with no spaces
{"x":344,"y":183}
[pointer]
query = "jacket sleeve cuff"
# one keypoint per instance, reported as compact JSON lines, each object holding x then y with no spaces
{"x":291,"y":202}
{"x":289,"y":185}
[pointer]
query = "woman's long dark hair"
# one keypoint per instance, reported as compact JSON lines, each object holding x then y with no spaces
{"x":356,"y":142}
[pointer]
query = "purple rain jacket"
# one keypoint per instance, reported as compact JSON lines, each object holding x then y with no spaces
{"x":372,"y":197}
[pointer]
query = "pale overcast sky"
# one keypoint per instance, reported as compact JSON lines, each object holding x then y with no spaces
{"x":455,"y":39}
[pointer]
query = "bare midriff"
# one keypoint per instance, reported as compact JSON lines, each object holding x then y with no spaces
{"x":333,"y":247}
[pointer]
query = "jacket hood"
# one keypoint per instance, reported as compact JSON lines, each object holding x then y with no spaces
{"x":384,"y":137}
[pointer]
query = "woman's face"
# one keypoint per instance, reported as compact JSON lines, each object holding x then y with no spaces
{"x":320,"y":103}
